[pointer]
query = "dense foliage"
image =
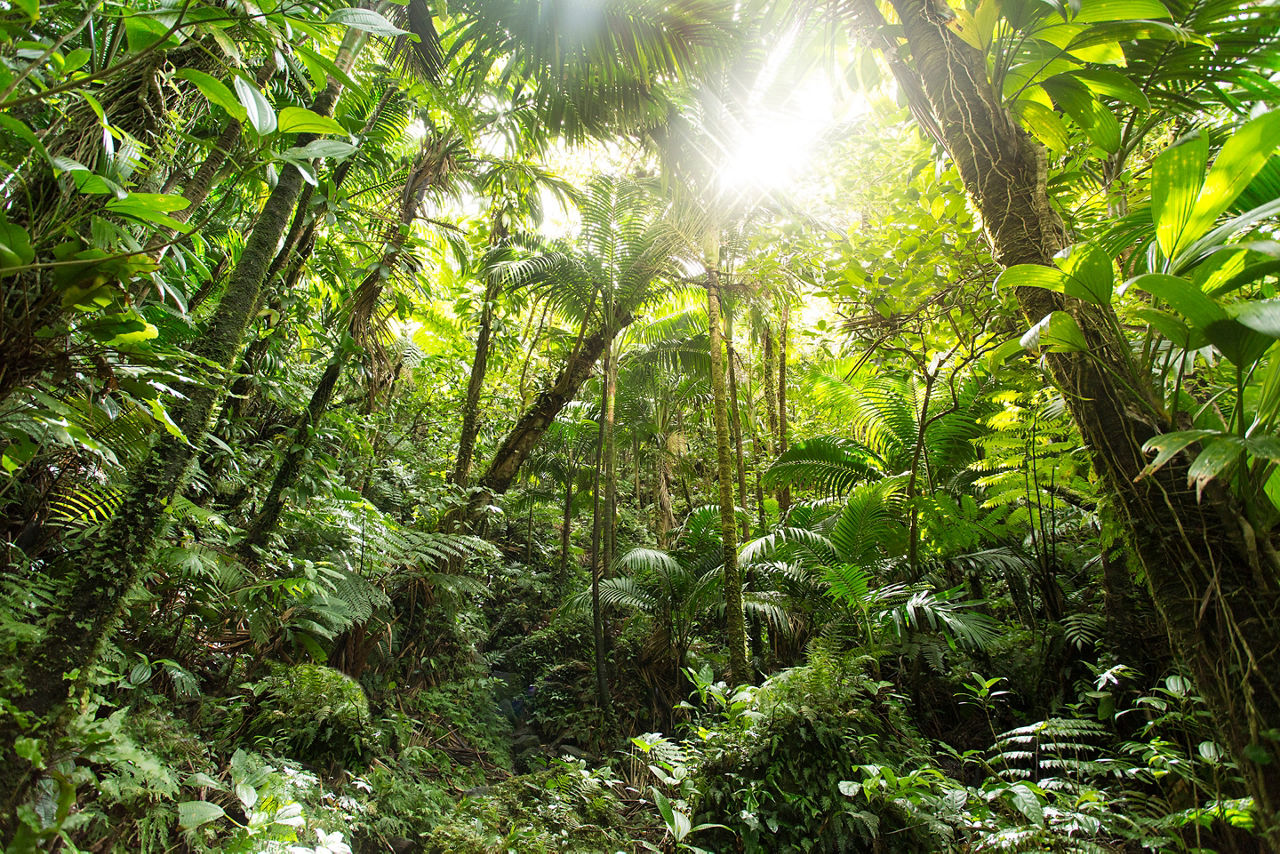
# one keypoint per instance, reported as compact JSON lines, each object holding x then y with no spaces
{"x":526,"y":425}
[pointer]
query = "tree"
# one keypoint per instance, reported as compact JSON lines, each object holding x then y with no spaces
{"x":1203,"y":581}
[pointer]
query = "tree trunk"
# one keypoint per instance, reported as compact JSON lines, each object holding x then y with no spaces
{"x":425,"y":173}
{"x":735,"y":628}
{"x":105,"y":574}
{"x":666,"y":519}
{"x":735,"y":419}
{"x":770,"y":391}
{"x":597,"y":572}
{"x":475,"y":384}
{"x":1203,"y":559}
{"x":610,"y":383}
{"x":784,"y":492}
{"x":527,"y":432}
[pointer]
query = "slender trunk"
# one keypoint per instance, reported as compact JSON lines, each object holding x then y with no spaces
{"x":735,"y":419}
{"x":770,"y":391}
{"x":662,"y":485}
{"x":755,"y":452}
{"x":735,"y":628}
{"x":610,"y":383}
{"x":913,"y":506}
{"x":475,"y":384}
{"x":597,"y":572}
{"x":528,"y":430}
{"x":784,"y":493}
{"x":197,"y":189}
{"x":299,"y":449}
{"x":635,"y":469}
{"x":1202,"y":557}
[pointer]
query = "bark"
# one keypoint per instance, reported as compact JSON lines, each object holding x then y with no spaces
{"x":475,"y":384}
{"x":291,"y":465}
{"x":735,"y":628}
{"x":597,"y":613}
{"x":662,"y":486}
{"x":610,"y":458}
{"x":1204,"y":560}
{"x":784,"y":492}
{"x":735,"y":419}
{"x":426,"y":172}
{"x":527,"y":432}
{"x":770,"y":390}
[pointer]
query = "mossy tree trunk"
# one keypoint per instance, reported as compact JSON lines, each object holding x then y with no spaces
{"x":528,"y":430}
{"x":58,"y":668}
{"x":1212,"y":576}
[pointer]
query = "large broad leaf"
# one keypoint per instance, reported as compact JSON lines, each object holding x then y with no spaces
{"x":1259,"y":315}
{"x":367,"y":20}
{"x":215,"y":91}
{"x":1241,"y":158}
{"x":1183,"y":296}
{"x":1113,"y":85}
{"x":259,"y":112}
{"x":1044,"y":124}
{"x":300,"y":120}
{"x":1032,"y":276}
{"x":1176,"y":178}
{"x":1089,"y":276}
{"x":1058,"y":332}
{"x":192,"y":814}
{"x":1169,"y":445}
{"x":15,"y":246}
{"x":1084,"y":108}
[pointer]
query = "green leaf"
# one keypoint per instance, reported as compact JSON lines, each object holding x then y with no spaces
{"x":1259,"y":315}
{"x":299,"y":120}
{"x":1176,"y":178}
{"x":1169,"y":445}
{"x":1168,"y":325}
{"x":1032,"y":276}
{"x":1089,"y":274}
{"x":1100,"y":11}
{"x":1044,"y":124}
{"x":215,"y":91}
{"x":334,"y":149}
{"x":192,"y":814}
{"x":1025,"y":801}
{"x":29,"y":749}
{"x":144,"y":31}
{"x":1101,"y":81}
{"x":1058,"y":332}
{"x":1093,"y":117}
{"x":1184,"y":297}
{"x":1241,"y":158}
{"x":259,"y":112}
{"x":366,"y":20}
{"x":15,"y":247}
{"x":1217,"y":457}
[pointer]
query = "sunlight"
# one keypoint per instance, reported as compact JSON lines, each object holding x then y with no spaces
{"x":778,"y":144}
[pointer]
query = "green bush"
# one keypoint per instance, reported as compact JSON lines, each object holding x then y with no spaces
{"x":314,"y":714}
{"x":782,"y":781}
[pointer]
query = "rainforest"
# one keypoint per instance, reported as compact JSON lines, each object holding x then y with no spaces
{"x":639,"y":426}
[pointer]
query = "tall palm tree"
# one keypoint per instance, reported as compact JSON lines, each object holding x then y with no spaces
{"x":599,"y":282}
